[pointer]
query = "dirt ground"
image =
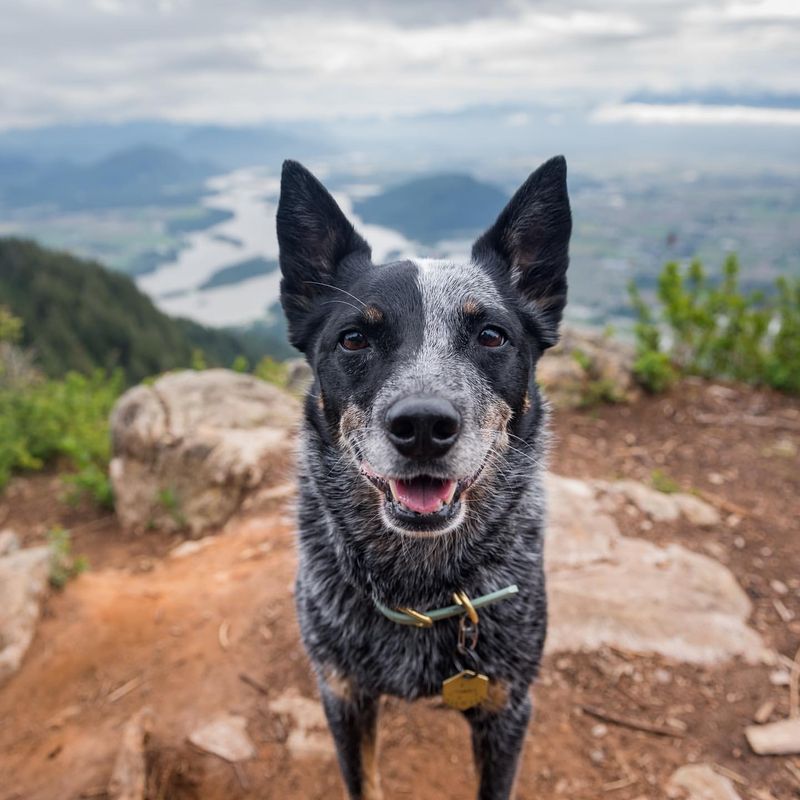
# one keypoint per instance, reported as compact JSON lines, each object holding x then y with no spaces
{"x":215,"y":632}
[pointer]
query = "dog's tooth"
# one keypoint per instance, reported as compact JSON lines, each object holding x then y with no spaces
{"x":451,"y":493}
{"x":393,"y":489}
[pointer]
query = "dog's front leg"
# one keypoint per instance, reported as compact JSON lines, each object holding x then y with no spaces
{"x":353,"y":720}
{"x":497,"y":739}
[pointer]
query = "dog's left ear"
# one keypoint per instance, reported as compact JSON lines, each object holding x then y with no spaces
{"x":315,"y":239}
{"x":531,"y":239}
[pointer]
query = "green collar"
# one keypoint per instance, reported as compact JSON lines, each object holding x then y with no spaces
{"x":425,"y":619}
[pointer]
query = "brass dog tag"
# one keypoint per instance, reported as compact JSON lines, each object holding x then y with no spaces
{"x":465,"y":690}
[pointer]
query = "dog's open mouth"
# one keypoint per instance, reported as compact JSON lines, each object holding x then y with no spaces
{"x":421,"y":502}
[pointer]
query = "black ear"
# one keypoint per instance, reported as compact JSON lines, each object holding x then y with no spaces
{"x":314,"y":238}
{"x":531,"y":239}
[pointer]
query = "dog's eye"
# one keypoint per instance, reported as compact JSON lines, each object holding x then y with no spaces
{"x":353,"y":340}
{"x":492,"y":337}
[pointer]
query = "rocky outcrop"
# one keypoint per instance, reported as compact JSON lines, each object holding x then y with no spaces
{"x":587,"y":366}
{"x":23,"y":581}
{"x":608,"y":589}
{"x":659,"y":506}
{"x":189,"y":449}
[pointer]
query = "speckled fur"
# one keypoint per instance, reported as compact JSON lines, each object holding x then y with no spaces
{"x":348,"y":554}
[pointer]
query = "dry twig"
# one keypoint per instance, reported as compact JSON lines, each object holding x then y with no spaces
{"x":628,"y":722}
{"x":253,"y":683}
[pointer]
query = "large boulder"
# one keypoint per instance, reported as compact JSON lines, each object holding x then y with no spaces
{"x":23,"y":582}
{"x":608,"y":589}
{"x":190,"y":448}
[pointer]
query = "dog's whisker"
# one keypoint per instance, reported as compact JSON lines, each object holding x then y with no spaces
{"x":343,"y":302}
{"x":338,"y":289}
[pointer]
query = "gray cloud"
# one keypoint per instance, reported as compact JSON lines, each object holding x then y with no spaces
{"x":247,"y":60}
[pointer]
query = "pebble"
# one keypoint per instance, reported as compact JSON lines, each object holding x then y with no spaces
{"x":226,"y":737}
{"x":779,"y":587}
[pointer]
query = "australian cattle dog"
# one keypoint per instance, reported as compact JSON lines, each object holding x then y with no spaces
{"x":421,"y":512}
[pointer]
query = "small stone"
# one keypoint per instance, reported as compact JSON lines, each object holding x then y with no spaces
{"x":715,"y":478}
{"x":776,"y":738}
{"x":226,"y":737}
{"x":700,"y":782}
{"x":190,"y":547}
{"x":697,"y":511}
{"x":739,"y":542}
{"x":779,"y":677}
{"x":779,"y":587}
{"x":129,"y":774}
{"x":663,"y":676}
{"x":599,"y":730}
{"x":785,"y":447}
{"x":597,"y":757}
{"x":764,"y":712}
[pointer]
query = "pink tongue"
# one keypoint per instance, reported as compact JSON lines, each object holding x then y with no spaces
{"x":424,"y":495}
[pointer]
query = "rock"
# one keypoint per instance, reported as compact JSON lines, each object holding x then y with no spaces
{"x":657,"y":505}
{"x":189,"y":450}
{"x":608,"y":589}
{"x":129,"y":774}
{"x":23,"y":581}
{"x":309,"y":735}
{"x":586,"y":363}
{"x":9,"y":542}
{"x":191,"y":547}
{"x":700,"y":782}
{"x":764,"y":712}
{"x":776,"y":738}
{"x":697,"y":511}
{"x":226,"y":737}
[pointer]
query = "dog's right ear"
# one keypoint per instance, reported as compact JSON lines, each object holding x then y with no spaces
{"x":314,"y":238}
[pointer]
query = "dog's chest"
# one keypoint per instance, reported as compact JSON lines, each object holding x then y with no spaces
{"x":359,"y":644}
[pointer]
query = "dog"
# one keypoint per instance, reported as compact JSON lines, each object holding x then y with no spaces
{"x":420,"y":468}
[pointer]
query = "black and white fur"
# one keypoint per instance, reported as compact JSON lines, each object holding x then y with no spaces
{"x":424,"y":324}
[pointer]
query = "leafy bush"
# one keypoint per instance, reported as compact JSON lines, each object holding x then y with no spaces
{"x":664,"y":483}
{"x":272,"y":371}
{"x":64,"y":421}
{"x":595,"y":388}
{"x":718,"y":330}
{"x":63,"y":564}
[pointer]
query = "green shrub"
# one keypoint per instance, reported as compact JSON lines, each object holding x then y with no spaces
{"x":595,"y":389}
{"x":63,"y":564}
{"x":716,"y":329}
{"x":663,"y":483}
{"x":272,"y":371}
{"x":240,"y":364}
{"x":61,"y":421}
{"x":10,"y":326}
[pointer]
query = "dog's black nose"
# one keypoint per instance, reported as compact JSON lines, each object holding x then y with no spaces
{"x":421,"y":426}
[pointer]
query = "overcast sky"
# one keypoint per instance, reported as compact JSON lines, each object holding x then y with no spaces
{"x":250,"y":60}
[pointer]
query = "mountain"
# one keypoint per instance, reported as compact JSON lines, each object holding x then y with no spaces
{"x":79,"y":316}
{"x":241,"y":271}
{"x":137,"y":176}
{"x":223,"y":145}
{"x":435,"y":207}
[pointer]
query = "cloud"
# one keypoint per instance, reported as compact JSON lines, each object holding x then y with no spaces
{"x":249,"y":60}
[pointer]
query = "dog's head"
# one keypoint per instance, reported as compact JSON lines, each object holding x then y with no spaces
{"x":424,"y":369}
